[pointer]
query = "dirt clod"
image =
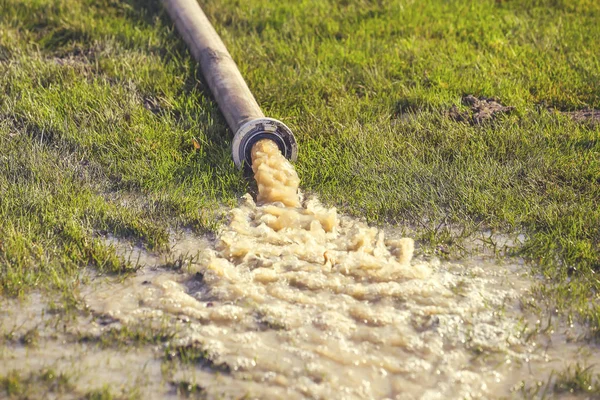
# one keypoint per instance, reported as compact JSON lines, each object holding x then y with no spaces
{"x":480,"y":110}
{"x":587,"y":116}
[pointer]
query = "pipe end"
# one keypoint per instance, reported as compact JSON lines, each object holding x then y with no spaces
{"x":258,"y":129}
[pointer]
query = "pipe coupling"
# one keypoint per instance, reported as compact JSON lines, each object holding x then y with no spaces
{"x":258,"y":129}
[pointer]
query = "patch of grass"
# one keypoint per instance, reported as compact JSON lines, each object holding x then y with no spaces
{"x":574,"y":380}
{"x":31,"y":337}
{"x":35,"y":385}
{"x":188,"y":390}
{"x":578,"y":380}
{"x":105,"y":393}
{"x":194,"y":355}
{"x":129,"y":336}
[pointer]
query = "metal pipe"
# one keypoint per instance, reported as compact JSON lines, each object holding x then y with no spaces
{"x":227,"y":85}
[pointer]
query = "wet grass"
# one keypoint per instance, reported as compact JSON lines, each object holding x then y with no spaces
{"x":194,"y":355}
{"x":102,"y":105}
{"x":48,"y":383}
{"x":127,"y":337}
{"x":188,"y":390}
{"x":575,"y":381}
{"x":578,"y":380}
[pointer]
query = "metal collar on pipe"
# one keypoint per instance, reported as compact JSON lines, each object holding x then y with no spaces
{"x":262,"y":128}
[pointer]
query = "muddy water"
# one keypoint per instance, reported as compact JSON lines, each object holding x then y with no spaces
{"x":292,"y":300}
{"x":276,"y":178}
{"x":39,"y":341}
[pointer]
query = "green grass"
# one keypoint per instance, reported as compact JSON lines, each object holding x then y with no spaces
{"x":48,"y":383}
{"x":101,"y":102}
{"x":575,"y":381}
{"x":127,"y":337}
{"x":196,"y":356}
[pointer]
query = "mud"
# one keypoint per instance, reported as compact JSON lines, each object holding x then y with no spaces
{"x":480,"y":110}
{"x":591,"y":117}
{"x":460,"y":333}
{"x":38,"y":339}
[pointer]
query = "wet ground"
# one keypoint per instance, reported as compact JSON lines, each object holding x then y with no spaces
{"x":461,"y":332}
{"x":292,"y":300}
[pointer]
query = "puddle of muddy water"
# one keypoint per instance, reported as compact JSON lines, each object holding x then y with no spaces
{"x":458,"y":333}
{"x":292,"y":300}
{"x":38,"y":339}
{"x":300,"y":323}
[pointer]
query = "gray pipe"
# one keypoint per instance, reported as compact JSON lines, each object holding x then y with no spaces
{"x":227,"y":85}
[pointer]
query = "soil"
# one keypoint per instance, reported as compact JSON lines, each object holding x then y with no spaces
{"x":480,"y":110}
{"x":587,"y":116}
